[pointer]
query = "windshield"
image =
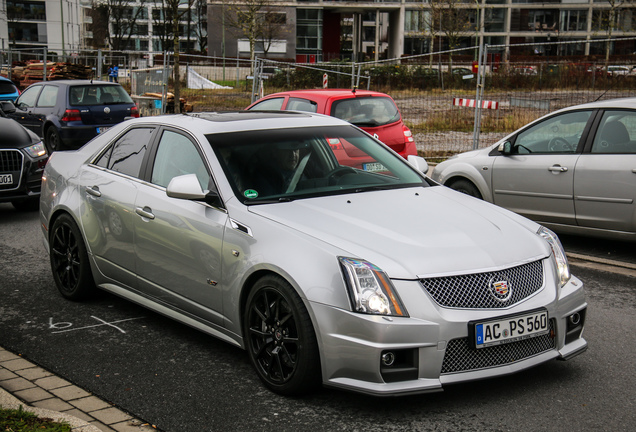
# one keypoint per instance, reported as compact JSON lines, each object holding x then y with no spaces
{"x":366,"y":111}
{"x":287,"y":164}
{"x":98,"y":95}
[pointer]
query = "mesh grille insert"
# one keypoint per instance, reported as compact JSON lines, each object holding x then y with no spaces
{"x":460,"y":357}
{"x":475,"y":291}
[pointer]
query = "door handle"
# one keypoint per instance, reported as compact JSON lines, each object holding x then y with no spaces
{"x":145,"y":212}
{"x":558,"y":168}
{"x":93,"y":190}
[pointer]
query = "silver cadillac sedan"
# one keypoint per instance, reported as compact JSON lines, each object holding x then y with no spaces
{"x":251,"y":227}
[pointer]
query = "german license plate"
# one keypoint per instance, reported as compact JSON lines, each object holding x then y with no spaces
{"x":509,"y":329}
{"x":6,"y":179}
{"x":373,"y":166}
{"x":102,"y":129}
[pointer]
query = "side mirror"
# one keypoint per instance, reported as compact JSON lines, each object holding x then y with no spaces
{"x":419,"y":163}
{"x":187,"y":187}
{"x":505,"y":148}
{"x":7,"y":107}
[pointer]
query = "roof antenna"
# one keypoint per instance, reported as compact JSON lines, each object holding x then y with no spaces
{"x":353,"y":90}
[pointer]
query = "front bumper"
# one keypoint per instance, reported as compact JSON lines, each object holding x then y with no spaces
{"x":29,"y":181}
{"x":434,"y":352}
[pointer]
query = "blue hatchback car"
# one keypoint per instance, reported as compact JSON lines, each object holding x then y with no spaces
{"x":69,"y":113}
{"x":8,"y":90}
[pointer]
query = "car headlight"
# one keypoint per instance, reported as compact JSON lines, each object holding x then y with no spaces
{"x":558,"y":254}
{"x":370,"y":289}
{"x":36,"y":150}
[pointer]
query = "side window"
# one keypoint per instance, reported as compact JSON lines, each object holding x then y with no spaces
{"x":297,"y":104}
{"x":615,"y":133}
{"x":558,"y":134}
{"x":127,"y":153}
{"x":274,"y":104}
{"x":48,"y":97}
{"x":176,"y":156}
{"x":27,"y":99}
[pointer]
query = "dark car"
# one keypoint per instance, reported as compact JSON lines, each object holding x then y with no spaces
{"x":69,"y":113}
{"x":22,"y":161}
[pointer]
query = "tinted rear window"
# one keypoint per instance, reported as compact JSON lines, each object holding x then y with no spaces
{"x":366,"y":111}
{"x":7,"y":88}
{"x":98,"y":95}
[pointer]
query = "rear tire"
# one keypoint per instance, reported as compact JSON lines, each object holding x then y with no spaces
{"x":69,"y":260}
{"x":466,"y":187}
{"x":280,"y":338}
{"x":53,"y":140}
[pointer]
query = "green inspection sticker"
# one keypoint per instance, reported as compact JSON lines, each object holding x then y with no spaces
{"x":250,"y":193}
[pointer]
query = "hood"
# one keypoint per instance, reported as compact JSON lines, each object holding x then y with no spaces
{"x":415,"y":232}
{"x":14,"y":135}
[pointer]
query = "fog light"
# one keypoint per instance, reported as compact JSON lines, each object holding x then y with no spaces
{"x":388,"y":358}
{"x":575,"y":319}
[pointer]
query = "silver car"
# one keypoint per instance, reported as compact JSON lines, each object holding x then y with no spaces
{"x":573,"y":171}
{"x":247,"y":226}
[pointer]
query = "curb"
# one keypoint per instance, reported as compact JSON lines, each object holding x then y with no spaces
{"x":11,"y":402}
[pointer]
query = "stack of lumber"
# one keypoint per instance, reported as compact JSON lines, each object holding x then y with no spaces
{"x":33,"y":72}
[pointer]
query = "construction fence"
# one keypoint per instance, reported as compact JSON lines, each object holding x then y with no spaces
{"x":453,"y":100}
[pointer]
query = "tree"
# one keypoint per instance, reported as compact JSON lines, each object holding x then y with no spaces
{"x":257,"y":21}
{"x":452,"y":19}
{"x":122,"y":17}
{"x":201,"y":24}
{"x":176,"y":14}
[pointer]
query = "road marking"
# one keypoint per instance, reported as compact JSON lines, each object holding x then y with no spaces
{"x":66,"y":325}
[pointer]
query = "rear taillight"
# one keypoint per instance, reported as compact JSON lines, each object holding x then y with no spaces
{"x":71,"y":115}
{"x":134,"y":112}
{"x":408,"y":135}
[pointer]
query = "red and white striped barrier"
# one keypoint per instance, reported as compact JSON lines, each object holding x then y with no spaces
{"x":472,"y":103}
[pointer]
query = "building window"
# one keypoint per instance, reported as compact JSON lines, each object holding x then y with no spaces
{"x":573,"y":20}
{"x":495,"y":20}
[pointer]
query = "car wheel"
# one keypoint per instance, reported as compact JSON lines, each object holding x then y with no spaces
{"x":26,"y":205}
{"x":280,"y":339}
{"x":53,"y":140}
{"x":467,"y":187}
{"x":69,"y":259}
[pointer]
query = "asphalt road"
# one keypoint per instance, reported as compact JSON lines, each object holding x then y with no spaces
{"x":182,"y":380}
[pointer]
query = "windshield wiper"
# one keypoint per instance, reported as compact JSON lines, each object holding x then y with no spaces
{"x":269,"y":201}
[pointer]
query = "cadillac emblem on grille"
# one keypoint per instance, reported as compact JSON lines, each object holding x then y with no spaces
{"x":500,"y":288}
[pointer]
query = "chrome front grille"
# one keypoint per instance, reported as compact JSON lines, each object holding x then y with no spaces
{"x":460,"y":357}
{"x":475,"y":291}
{"x":11,"y":163}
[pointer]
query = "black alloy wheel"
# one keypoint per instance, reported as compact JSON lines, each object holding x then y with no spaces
{"x":69,"y":260}
{"x":280,"y":338}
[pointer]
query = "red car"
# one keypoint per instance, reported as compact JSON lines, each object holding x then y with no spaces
{"x":373,"y":112}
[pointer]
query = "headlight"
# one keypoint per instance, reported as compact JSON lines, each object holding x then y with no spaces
{"x":36,"y":150}
{"x":370,"y":289}
{"x":558,"y":254}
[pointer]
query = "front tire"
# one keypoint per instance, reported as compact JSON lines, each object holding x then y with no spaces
{"x":280,"y":338}
{"x":466,"y":187}
{"x":69,"y":260}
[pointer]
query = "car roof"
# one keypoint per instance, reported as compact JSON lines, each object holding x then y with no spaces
{"x":238,"y":121}
{"x":5,"y":79}
{"x":72,"y":82}
{"x":609,"y":103}
{"x":328,"y":93}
